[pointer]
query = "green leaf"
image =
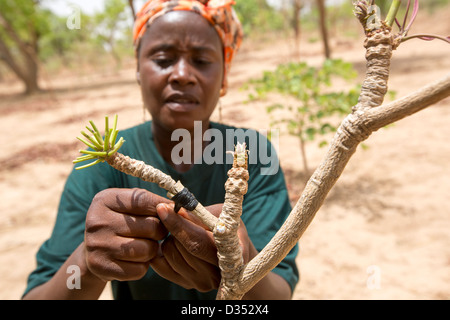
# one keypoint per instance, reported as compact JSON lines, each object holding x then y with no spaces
{"x":310,"y":133}
{"x":273,"y":107}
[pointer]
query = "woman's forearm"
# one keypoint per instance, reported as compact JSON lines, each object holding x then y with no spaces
{"x":65,"y":284}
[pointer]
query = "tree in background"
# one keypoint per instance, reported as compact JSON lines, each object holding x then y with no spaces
{"x":133,"y":10}
{"x":257,"y":16}
{"x":32,"y":36}
{"x":323,"y":27}
{"x":109,"y":24}
{"x":22,"y":23}
{"x":296,"y":8}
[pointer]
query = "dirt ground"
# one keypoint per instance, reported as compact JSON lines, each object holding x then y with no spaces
{"x":382,"y":233}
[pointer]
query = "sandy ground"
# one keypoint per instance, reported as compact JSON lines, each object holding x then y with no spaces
{"x":383,"y":232}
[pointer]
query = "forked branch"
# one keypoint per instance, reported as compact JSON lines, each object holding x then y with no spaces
{"x":367,"y":117}
{"x":355,"y":128}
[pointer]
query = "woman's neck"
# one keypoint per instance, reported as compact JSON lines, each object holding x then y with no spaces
{"x":164,"y":144}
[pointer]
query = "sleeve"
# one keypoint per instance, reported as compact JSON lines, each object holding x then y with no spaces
{"x":265,"y":208}
{"x":68,"y":231}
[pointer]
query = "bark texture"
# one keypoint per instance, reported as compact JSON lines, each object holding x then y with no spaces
{"x":226,"y":238}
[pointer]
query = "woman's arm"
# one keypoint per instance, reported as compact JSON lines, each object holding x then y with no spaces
{"x":57,"y":287}
{"x":121,"y":237}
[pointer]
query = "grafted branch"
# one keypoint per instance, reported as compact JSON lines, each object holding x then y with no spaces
{"x":225,"y":233}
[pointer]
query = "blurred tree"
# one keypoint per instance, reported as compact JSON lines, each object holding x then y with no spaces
{"x":133,"y":11}
{"x":257,"y":16}
{"x":110,"y":24}
{"x":61,"y":41}
{"x":296,"y":9}
{"x":323,"y":27}
{"x":22,"y":23}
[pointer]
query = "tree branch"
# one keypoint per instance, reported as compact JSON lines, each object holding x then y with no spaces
{"x":386,"y":114}
{"x":131,"y":5}
{"x":355,"y":128}
{"x":15,"y":37}
{"x":9,"y":60}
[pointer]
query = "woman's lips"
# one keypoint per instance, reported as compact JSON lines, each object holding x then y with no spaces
{"x":181,"y":103}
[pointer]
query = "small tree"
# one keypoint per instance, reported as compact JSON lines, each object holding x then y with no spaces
{"x":22,"y":23}
{"x":107,"y":24}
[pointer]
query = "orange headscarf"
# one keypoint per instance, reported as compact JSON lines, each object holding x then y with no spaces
{"x":219,"y":13}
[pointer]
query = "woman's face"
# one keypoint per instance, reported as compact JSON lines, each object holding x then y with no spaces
{"x":181,"y":69}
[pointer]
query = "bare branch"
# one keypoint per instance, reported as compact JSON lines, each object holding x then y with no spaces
{"x":386,"y":114}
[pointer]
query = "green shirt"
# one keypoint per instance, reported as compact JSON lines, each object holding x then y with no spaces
{"x":265,"y":207}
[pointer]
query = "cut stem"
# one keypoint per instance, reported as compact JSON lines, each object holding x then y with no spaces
{"x":226,"y":238}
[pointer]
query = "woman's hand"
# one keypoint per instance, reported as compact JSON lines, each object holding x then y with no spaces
{"x":122,"y":233}
{"x":123,"y":227}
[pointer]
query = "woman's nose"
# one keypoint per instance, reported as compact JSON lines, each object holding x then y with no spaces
{"x":182,"y":73}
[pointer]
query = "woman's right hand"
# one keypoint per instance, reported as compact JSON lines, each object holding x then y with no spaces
{"x":122,"y":233}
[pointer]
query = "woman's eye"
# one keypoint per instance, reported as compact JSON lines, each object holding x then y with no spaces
{"x":202,"y":61}
{"x":163,"y":61}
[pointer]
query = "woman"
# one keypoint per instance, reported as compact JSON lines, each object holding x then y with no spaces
{"x":113,"y":227}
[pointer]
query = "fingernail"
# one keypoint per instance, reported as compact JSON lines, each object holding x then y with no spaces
{"x":162,"y":211}
{"x":161,"y":206}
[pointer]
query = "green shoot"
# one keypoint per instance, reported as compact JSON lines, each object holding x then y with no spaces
{"x":393,"y":10}
{"x":101,"y":148}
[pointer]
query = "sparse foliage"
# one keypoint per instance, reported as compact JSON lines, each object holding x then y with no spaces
{"x":318,"y":109}
{"x":22,"y":24}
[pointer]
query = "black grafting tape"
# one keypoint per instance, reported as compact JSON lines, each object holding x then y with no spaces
{"x":185,"y":199}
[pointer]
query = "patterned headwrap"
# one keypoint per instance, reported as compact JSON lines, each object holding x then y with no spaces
{"x":219,"y":14}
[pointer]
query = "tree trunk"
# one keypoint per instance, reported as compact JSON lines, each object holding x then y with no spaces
{"x":297,"y":6}
{"x":28,"y":70}
{"x":131,"y":5}
{"x":28,"y":75}
{"x":323,"y":28}
{"x":31,"y":78}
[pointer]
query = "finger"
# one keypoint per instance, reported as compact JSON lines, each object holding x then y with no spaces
{"x":131,"y":201}
{"x":136,"y":250}
{"x":122,"y":248}
{"x":162,"y":267}
{"x":126,"y":263}
{"x":215,"y":209}
{"x":175,"y":258}
{"x":141,"y":227}
{"x":195,"y":239}
{"x":196,"y":272}
{"x":103,"y":219}
{"x":109,"y":270}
